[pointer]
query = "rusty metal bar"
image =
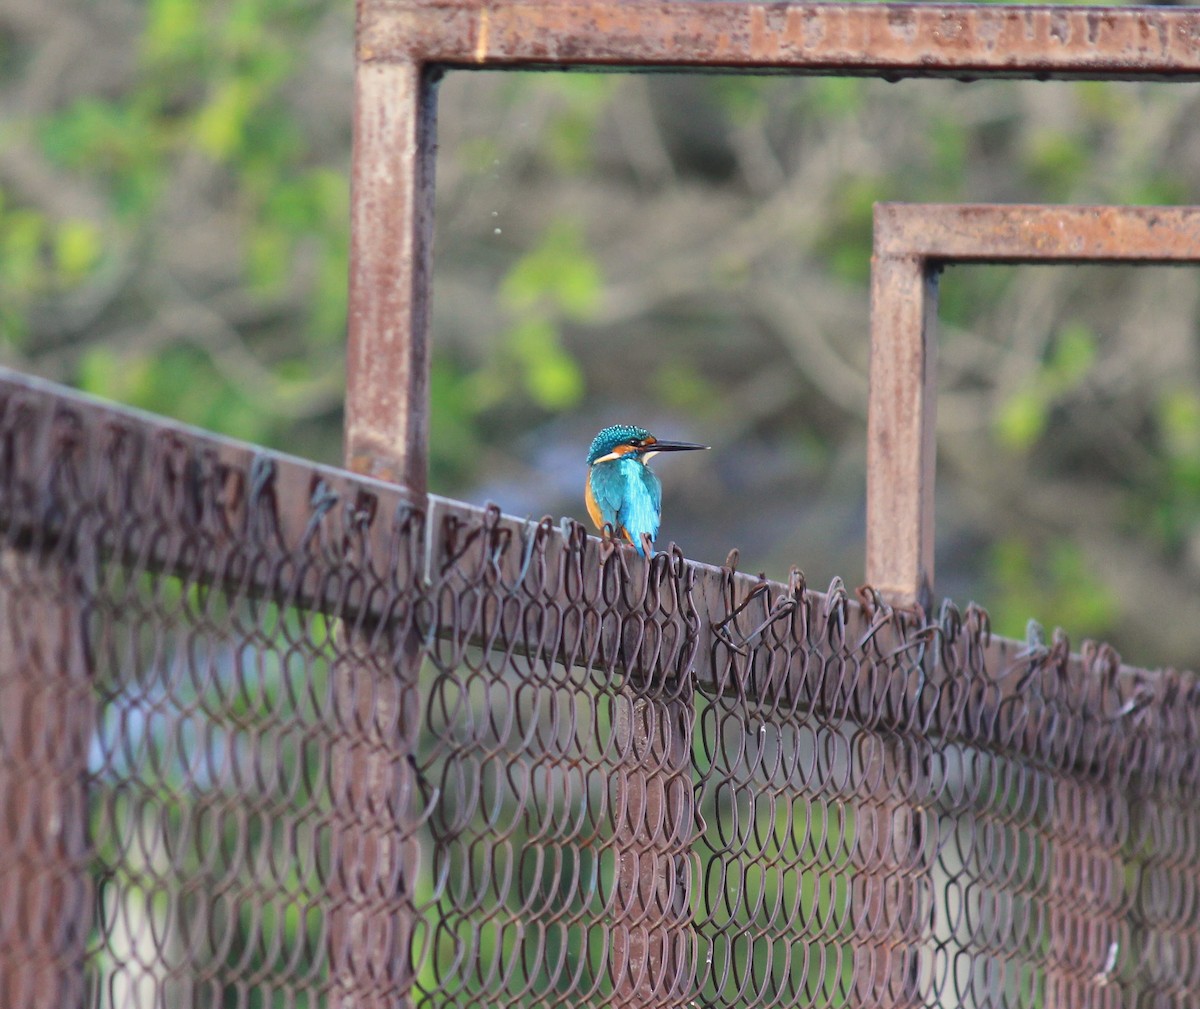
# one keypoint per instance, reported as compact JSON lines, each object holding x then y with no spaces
{"x":46,"y":716}
{"x":1089,"y":870}
{"x":47,"y":712}
{"x":654,"y":804}
{"x":901,"y":420}
{"x":391,"y":234}
{"x":892,"y":892}
{"x":386,"y":436}
{"x":1086,"y":883}
{"x":946,"y":233}
{"x":913,"y":242}
{"x":890,"y":40}
{"x":372,"y":918}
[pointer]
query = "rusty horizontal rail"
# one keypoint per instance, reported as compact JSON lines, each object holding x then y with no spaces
{"x":946,"y":233}
{"x":744,"y":636}
{"x":891,"y":40}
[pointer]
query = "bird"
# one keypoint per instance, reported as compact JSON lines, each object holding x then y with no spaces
{"x":622,"y":491}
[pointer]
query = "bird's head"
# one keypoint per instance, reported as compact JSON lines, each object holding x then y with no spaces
{"x":622,"y":440}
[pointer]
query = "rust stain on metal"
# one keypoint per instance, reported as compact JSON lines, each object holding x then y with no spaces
{"x":481,"y":31}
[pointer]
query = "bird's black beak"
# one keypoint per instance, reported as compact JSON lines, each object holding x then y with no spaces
{"x":675,"y":446}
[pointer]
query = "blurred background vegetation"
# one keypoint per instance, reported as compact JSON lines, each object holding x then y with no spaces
{"x":688,"y":253}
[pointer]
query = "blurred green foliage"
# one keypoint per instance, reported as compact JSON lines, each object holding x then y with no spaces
{"x":1022,"y":419}
{"x":1174,"y":510}
{"x":208,"y":97}
{"x":571,"y":135}
{"x":557,"y":281}
{"x":38,"y":260}
{"x":1052,"y":580}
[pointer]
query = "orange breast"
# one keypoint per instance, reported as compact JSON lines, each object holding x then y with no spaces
{"x":593,"y":508}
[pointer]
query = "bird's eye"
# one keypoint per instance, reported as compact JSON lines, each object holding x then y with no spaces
{"x":636,"y":442}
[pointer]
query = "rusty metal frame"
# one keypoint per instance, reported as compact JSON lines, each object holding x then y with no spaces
{"x":404,"y":45}
{"x":913,"y":243}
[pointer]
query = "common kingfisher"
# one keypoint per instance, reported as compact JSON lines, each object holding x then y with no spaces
{"x":621,"y":490}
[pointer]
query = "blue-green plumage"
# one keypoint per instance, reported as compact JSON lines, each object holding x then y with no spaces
{"x":629,"y":498}
{"x":622,"y":492}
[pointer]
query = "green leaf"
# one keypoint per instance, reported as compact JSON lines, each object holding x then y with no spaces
{"x":1052,"y":580}
{"x":571,"y":131}
{"x":559,"y":274}
{"x":949,"y":148}
{"x":837,"y":97}
{"x":453,"y":410}
{"x":77,"y":249}
{"x":742,"y":98}
{"x":552,"y":377}
{"x":104,"y":372}
{"x":1021,"y":421}
{"x":269,"y":259}
{"x":120,"y":144}
{"x":219,"y":126}
{"x":14,"y":326}
{"x":1179,"y":421}
{"x":555,"y":382}
{"x":1056,"y":161}
{"x":680,"y":385}
{"x":23,"y":235}
{"x":1073,"y":356}
{"x":173,"y":28}
{"x":330,"y":300}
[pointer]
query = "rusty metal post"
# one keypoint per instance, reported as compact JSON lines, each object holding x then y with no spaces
{"x":890,"y":892}
{"x":46,"y":718}
{"x":1085,"y":906}
{"x":653,"y":806}
{"x":386,"y":436}
{"x":372,"y":918}
{"x":391,"y":234}
{"x":901,"y":419}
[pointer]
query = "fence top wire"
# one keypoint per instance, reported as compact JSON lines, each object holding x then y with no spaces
{"x":80,"y":477}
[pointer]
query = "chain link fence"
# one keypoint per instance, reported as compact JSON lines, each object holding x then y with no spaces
{"x":275,"y":735}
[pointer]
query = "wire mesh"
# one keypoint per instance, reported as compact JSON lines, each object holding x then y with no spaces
{"x":273,"y":735}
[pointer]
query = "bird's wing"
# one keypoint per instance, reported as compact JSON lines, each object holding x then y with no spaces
{"x":605,"y":490}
